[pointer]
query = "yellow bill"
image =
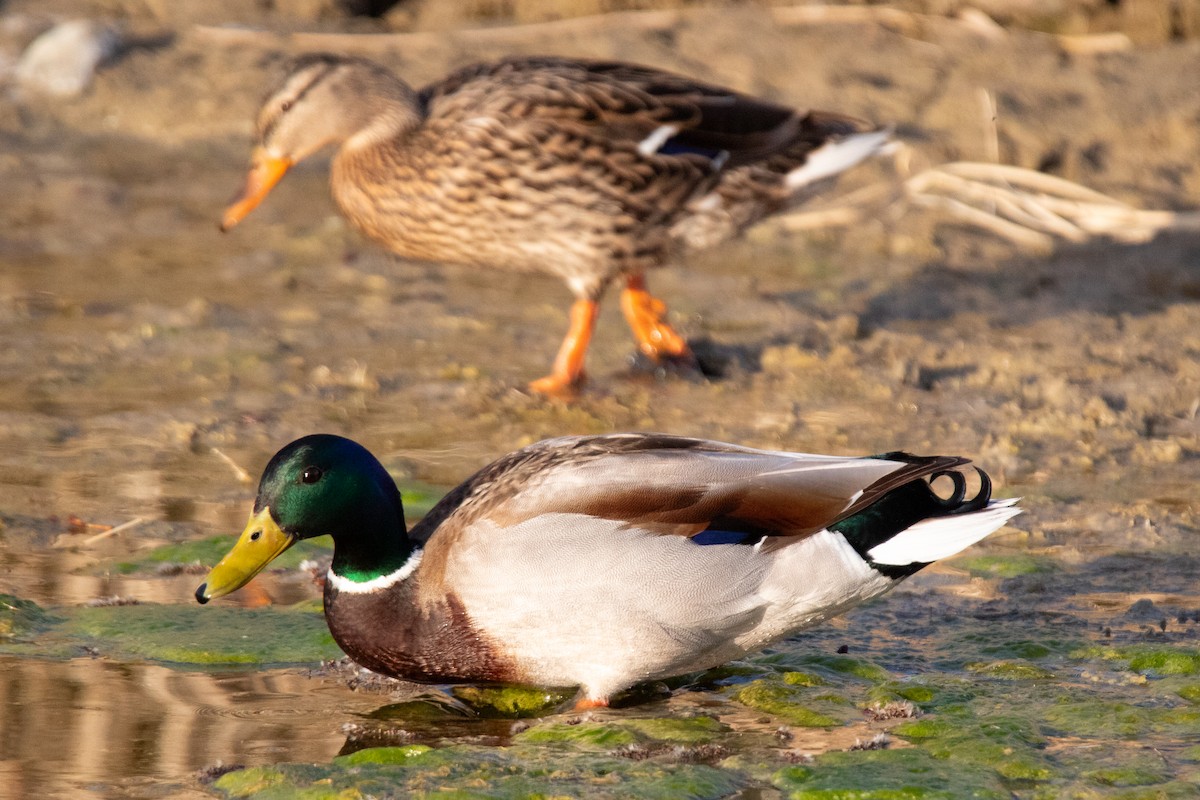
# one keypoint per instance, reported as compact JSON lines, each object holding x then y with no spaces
{"x":265,"y":172}
{"x":260,"y":543}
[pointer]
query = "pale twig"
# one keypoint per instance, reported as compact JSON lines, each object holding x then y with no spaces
{"x":124,"y":526}
{"x":1024,"y":177}
{"x":1028,"y":208}
{"x":1094,"y":43}
{"x":1018,"y":234}
{"x":1041,"y":203}
{"x":991,"y":135}
{"x":241,"y":474}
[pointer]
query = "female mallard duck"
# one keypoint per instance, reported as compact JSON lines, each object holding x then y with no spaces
{"x":602,"y":561}
{"x":585,"y":170}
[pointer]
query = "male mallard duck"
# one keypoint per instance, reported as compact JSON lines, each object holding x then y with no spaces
{"x":602,"y":561}
{"x":585,"y":170}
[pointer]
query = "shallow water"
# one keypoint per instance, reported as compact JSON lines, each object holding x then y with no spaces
{"x":1088,"y":672}
{"x":93,"y":727}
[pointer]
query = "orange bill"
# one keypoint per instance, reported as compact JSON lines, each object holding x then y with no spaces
{"x":265,"y":172}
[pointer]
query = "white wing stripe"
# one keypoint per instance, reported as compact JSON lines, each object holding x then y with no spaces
{"x":657,"y":138}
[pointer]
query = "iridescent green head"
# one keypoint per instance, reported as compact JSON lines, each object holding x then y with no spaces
{"x":320,"y":484}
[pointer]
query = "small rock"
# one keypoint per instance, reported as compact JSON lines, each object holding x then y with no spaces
{"x":208,"y":775}
{"x":879,"y":741}
{"x":63,"y":60}
{"x":896,"y":709}
{"x":1144,"y":609}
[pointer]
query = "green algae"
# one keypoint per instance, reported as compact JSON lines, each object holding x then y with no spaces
{"x":939,"y":691}
{"x":465,"y":771}
{"x":1024,"y":648}
{"x":514,"y":702}
{"x":585,"y":734}
{"x":383,"y":755}
{"x":908,"y":774}
{"x":916,"y":694}
{"x":1099,"y":718}
{"x":784,"y":702}
{"x":1151,"y":659}
{"x":22,"y":618}
{"x":609,"y":735}
{"x":1190,"y":692}
{"x":248,"y":782}
{"x":1126,"y":775}
{"x":174,"y":634}
{"x":202,"y":637}
{"x":1009,"y":745}
{"x":211,"y":550}
{"x":1006,"y":566}
{"x":927,"y":728}
{"x":685,"y":730}
{"x":845,"y":666}
{"x":1108,"y":765}
{"x":1166,"y":662}
{"x":989,"y":709}
{"x":1010,"y":670}
{"x":1005,"y":642}
{"x":802,"y":679}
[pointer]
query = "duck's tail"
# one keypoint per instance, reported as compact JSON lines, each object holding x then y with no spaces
{"x":836,"y":155}
{"x":911,"y":526}
{"x":825,"y":145}
{"x":941,"y":537}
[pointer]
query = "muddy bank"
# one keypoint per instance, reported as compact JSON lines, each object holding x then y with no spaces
{"x":122,"y":303}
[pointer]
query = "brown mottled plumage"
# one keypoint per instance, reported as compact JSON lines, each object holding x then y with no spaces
{"x":591,"y":171}
{"x":603,"y":561}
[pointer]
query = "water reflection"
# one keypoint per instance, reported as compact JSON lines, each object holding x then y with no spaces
{"x":93,"y":725}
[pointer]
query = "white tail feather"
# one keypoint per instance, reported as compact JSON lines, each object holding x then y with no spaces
{"x":836,"y":156}
{"x":940,"y":537}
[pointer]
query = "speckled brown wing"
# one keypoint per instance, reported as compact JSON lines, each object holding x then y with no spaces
{"x":705,"y":160}
{"x":725,"y":127}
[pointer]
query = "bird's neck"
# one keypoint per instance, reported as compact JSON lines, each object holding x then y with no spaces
{"x":392,"y":120}
{"x":373,"y":553}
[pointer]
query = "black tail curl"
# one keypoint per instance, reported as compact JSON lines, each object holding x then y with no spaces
{"x":954,"y":504}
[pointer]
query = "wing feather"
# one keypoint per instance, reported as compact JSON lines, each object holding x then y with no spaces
{"x":634,"y":103}
{"x":676,"y":486}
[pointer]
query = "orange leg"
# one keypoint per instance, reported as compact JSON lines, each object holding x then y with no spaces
{"x":589,"y":703}
{"x":567,"y":374}
{"x":645,"y":312}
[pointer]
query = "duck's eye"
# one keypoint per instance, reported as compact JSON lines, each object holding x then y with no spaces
{"x":286,"y":105}
{"x":311,"y":475}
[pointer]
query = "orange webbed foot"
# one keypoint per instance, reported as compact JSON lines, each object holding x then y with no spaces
{"x":645,"y":314}
{"x":560,"y":387}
